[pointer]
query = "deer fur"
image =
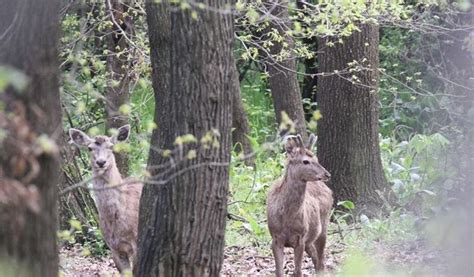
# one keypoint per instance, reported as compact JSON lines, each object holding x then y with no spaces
{"x":298,"y":207}
{"x":117,"y":199}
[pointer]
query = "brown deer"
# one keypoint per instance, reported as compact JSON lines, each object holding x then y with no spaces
{"x":298,"y":207}
{"x":117,"y":199}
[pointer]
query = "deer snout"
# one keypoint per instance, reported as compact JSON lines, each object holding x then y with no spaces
{"x":100,"y":163}
{"x":327,"y":176}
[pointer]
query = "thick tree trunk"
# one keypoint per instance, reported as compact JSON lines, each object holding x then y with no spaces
{"x":455,"y":68}
{"x":118,"y":64}
{"x":182,"y":222}
{"x":29,"y":160}
{"x":348,"y":145}
{"x":240,"y":122}
{"x":283,"y":81}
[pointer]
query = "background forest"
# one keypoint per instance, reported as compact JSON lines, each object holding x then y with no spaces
{"x":393,"y":75}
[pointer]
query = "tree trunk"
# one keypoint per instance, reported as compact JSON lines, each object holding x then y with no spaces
{"x":29,"y":163}
{"x":348,"y":145}
{"x":118,"y":64}
{"x":310,"y":81}
{"x":77,"y":203}
{"x":240,"y":122}
{"x":283,"y":81}
{"x":310,"y":69}
{"x":182,"y":222}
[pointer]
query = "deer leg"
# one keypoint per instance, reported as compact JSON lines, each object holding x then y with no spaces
{"x":299,"y":251}
{"x":117,"y":261}
{"x":320,"y":244}
{"x":311,"y":250}
{"x":278,"y":254}
{"x":121,"y":260}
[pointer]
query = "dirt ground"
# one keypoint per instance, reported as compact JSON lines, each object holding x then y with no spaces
{"x":411,"y":257}
{"x":237,"y":261}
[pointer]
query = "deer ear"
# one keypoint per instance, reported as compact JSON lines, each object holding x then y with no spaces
{"x":79,"y":138}
{"x":122,"y":135}
{"x":312,"y":142}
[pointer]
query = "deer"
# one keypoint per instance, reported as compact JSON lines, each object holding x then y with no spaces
{"x":299,"y":206}
{"x":117,"y":199}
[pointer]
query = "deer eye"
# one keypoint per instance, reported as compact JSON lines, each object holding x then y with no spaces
{"x":305,"y":161}
{"x":90,"y":148}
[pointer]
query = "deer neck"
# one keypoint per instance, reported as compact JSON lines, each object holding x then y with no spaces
{"x":295,"y":191}
{"x":107,"y":190}
{"x":110,"y":177}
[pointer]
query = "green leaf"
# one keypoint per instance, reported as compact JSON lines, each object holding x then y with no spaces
{"x":347,"y":204}
{"x":75,"y":224}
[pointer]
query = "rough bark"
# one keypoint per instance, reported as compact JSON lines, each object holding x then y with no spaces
{"x":29,"y":171}
{"x":240,"y":123}
{"x":348,"y":145}
{"x":182,"y":222}
{"x":118,"y":64}
{"x":282,"y":79}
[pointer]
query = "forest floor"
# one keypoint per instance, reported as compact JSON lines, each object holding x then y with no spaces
{"x":409,"y":258}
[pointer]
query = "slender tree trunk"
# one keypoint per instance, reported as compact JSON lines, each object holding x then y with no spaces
{"x":240,"y":122}
{"x":29,"y":160}
{"x":283,"y":81}
{"x":118,"y":63}
{"x":77,"y":203}
{"x":182,"y":222}
{"x":310,"y":83}
{"x":310,"y":69}
{"x":348,"y":145}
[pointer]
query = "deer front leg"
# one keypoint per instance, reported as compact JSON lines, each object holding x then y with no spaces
{"x":121,"y":260}
{"x":299,"y":251}
{"x":278,"y":254}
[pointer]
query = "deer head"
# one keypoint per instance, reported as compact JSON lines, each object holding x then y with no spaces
{"x":302,"y":163}
{"x":100,"y":147}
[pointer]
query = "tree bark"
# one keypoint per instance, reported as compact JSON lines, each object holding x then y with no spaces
{"x":182,"y":222}
{"x":282,"y":80}
{"x":348,"y":145}
{"x":240,"y":122}
{"x":31,"y":118}
{"x":118,"y":64}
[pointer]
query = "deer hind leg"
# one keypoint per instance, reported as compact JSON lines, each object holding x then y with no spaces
{"x":320,"y":244}
{"x":313,"y":253}
{"x":278,"y":254}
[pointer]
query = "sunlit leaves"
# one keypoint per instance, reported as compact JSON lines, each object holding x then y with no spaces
{"x":125,"y":109}
{"x":13,"y":77}
{"x":122,"y":147}
{"x":286,"y":124}
{"x":47,"y":145}
{"x":188,"y":138}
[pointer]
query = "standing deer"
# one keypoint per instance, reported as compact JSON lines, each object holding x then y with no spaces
{"x":117,"y":199}
{"x":298,"y":207}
